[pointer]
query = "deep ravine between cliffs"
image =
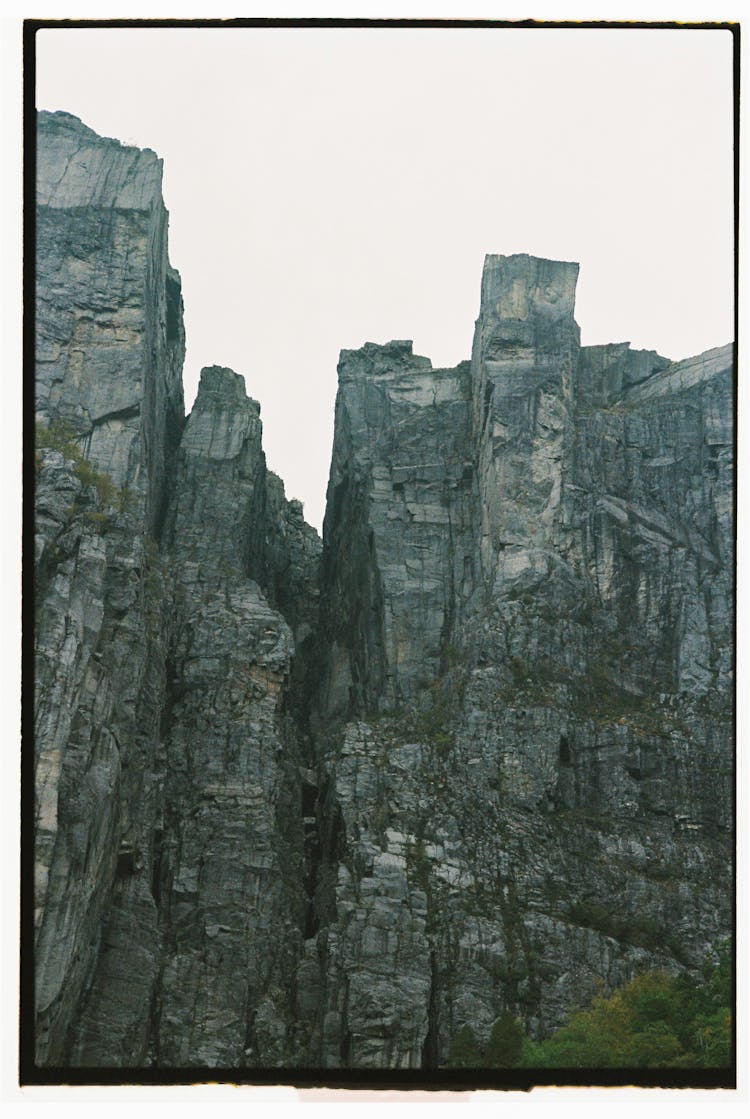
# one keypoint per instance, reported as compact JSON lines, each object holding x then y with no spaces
{"x":322,"y":804}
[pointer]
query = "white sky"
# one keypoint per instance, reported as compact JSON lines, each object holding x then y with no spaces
{"x":332,"y":187}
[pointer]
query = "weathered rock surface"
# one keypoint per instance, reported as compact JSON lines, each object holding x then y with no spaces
{"x":536,"y":784}
{"x":396,"y":524}
{"x":109,"y":337}
{"x":323,"y":811}
{"x":110,"y":346}
{"x":169,"y":837}
{"x":231,"y":845}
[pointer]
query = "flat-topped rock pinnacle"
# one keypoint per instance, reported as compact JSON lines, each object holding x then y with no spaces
{"x":221,"y":386}
{"x":521,"y":287}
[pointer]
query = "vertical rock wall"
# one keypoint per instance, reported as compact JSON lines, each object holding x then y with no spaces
{"x":109,"y":351}
{"x":396,"y":525}
{"x":544,"y":804}
{"x":169,"y":835}
{"x":324,"y":811}
{"x":524,"y":357}
{"x":109,"y":337}
{"x":231,"y":838}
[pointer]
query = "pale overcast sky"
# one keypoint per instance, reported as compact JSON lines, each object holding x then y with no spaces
{"x":332,"y":187}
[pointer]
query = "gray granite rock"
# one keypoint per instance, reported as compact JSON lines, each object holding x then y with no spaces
{"x":538,"y":657}
{"x":109,"y":336}
{"x":324,"y":810}
{"x":109,"y":354}
{"x":98,"y":675}
{"x":397,"y":520}
{"x":169,"y":836}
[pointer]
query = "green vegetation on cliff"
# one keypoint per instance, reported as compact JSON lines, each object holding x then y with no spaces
{"x":60,"y":436}
{"x":654,"y":1021}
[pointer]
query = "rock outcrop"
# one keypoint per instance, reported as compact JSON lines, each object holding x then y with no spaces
{"x":528,"y":641}
{"x":168,"y":768}
{"x":109,"y":336}
{"x":323,"y":808}
{"x":109,"y":352}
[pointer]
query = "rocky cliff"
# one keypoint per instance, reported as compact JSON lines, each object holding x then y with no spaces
{"x":322,"y":806}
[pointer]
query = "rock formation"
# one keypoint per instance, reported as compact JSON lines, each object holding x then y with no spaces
{"x":322,"y":806}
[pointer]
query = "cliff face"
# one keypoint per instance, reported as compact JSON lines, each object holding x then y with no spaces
{"x":323,"y":810}
{"x":169,"y":847}
{"x":109,"y":339}
{"x":535,"y":793}
{"x":109,"y":351}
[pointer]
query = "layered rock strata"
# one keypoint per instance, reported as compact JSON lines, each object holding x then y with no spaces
{"x":316,"y":810}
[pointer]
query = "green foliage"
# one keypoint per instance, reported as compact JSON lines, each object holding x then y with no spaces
{"x":539,"y":678}
{"x":585,"y":613}
{"x":60,"y":436}
{"x":712,"y":1039}
{"x":613,"y":1034}
{"x":655,"y":1021}
{"x":107,"y":493}
{"x":505,"y":1045}
{"x":418,"y":865}
{"x":598,"y":693}
{"x":717,"y":991}
{"x":465,"y":1051}
{"x":126,"y":501}
{"x":711,"y":1017}
{"x":452,"y":656}
{"x":520,"y":670}
{"x":640,"y":931}
{"x":431,"y":726}
{"x":98,"y":519}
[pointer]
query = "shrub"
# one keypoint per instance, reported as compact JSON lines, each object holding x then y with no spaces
{"x":643,"y":932}
{"x":465,"y":1051}
{"x":99,"y":520}
{"x":107,"y":493}
{"x":418,"y":865}
{"x":505,"y":1044}
{"x":504,"y":1049}
{"x":654,"y":1021}
{"x":60,"y":436}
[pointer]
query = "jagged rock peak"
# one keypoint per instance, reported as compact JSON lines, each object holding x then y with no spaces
{"x":222,"y":386}
{"x":60,"y":119}
{"x":76,"y":167}
{"x":373,"y":359}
